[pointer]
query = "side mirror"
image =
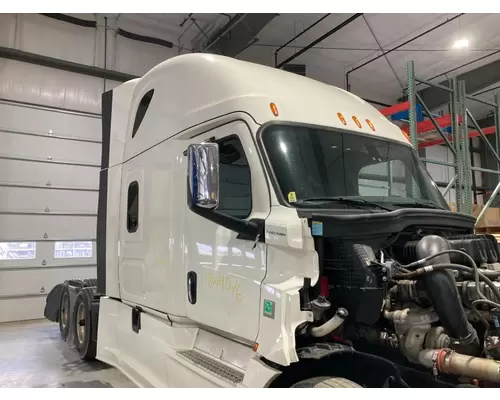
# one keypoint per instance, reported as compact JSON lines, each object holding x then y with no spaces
{"x":203,"y":175}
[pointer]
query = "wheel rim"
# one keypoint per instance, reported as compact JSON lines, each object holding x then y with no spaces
{"x":80,"y":322}
{"x":64,"y":311}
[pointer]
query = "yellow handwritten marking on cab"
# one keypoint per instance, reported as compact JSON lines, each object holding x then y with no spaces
{"x":372,"y":127}
{"x":225,"y":283}
{"x":274,"y":109}
{"x":342,"y":119}
{"x":356,"y":121}
{"x":292,"y":197}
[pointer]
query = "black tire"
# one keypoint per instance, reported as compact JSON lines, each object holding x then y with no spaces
{"x":64,"y":313}
{"x":75,"y":282}
{"x":89,"y":282}
{"x":85,"y":343}
{"x":326,"y":382}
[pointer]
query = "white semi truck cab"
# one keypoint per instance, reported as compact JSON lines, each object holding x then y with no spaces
{"x":258,"y":228}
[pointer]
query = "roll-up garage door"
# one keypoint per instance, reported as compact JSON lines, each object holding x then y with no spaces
{"x":49,"y":177}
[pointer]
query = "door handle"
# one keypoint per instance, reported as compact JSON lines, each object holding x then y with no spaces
{"x":191,"y":286}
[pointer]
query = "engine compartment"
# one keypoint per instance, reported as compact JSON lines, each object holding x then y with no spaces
{"x":425,"y":297}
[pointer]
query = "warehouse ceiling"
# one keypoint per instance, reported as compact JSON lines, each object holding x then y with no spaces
{"x":427,"y":39}
{"x":360,"y":41}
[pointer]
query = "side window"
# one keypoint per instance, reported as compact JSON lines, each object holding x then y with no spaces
{"x":133,"y":207}
{"x":141,"y":110}
{"x":235,"y":191}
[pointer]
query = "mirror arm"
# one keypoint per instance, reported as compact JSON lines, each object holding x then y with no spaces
{"x":249,"y":230}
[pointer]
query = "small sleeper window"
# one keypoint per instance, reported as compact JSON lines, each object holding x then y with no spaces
{"x":141,"y":110}
{"x":133,"y":207}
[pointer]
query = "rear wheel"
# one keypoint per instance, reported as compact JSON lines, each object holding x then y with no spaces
{"x":326,"y":382}
{"x":89,"y":282}
{"x":85,"y":343}
{"x":64,"y":312}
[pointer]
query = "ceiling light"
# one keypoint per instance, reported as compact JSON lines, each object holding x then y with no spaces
{"x":461,"y":44}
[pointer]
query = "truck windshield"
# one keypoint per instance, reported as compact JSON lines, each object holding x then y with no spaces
{"x":345,"y":170}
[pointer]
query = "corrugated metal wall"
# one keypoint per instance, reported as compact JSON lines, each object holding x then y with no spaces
{"x":50,"y":152}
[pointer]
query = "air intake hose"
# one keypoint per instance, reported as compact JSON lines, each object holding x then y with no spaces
{"x":441,"y":289}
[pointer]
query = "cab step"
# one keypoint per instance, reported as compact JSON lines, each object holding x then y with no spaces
{"x":212,"y":366}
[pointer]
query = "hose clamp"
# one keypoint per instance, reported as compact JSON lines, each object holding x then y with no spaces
{"x":469,"y":339}
{"x":434,"y":364}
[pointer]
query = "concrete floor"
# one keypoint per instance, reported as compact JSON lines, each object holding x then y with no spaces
{"x":33,"y":355}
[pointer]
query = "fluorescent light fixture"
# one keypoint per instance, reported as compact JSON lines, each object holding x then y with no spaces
{"x":461,"y":44}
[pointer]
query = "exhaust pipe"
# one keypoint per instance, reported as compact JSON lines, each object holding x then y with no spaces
{"x":449,"y":362}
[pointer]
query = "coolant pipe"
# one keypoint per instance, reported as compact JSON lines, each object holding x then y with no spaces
{"x":330,"y":325}
{"x":450,"y":362}
{"x":405,"y":316}
{"x":441,"y":290}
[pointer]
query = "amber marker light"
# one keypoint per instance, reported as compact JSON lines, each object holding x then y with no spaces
{"x":356,"y":120}
{"x":342,"y":119}
{"x":274,"y":109}
{"x":407,"y":136}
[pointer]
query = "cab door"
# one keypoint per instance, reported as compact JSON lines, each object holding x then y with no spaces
{"x":227,"y":270}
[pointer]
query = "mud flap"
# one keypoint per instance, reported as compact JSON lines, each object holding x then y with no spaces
{"x":53,"y":303}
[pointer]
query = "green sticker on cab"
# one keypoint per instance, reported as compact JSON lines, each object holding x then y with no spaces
{"x":269,"y":309}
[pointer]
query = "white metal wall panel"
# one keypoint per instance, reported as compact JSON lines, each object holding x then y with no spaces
{"x":46,"y":86}
{"x":16,"y":172}
{"x":74,"y":43}
{"x":7,"y":29}
{"x":49,"y":122}
{"x":20,"y":308}
{"x":137,"y":58}
{"x":34,"y":227}
{"x":21,"y":199}
{"x":38,"y":281}
{"x":48,"y":148}
{"x":48,"y":207}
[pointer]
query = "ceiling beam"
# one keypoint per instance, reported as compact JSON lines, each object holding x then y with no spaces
{"x":475,"y":80}
{"x":385,"y":53}
{"x":235,"y":36}
{"x":56,"y":63}
{"x":321,"y":38}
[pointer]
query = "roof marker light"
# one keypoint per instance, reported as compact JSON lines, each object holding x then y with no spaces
{"x":356,"y":120}
{"x":372,"y":127}
{"x":406,"y":135}
{"x":342,"y":119}
{"x":274,"y":109}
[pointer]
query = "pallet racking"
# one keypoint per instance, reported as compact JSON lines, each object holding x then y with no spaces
{"x":455,"y":129}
